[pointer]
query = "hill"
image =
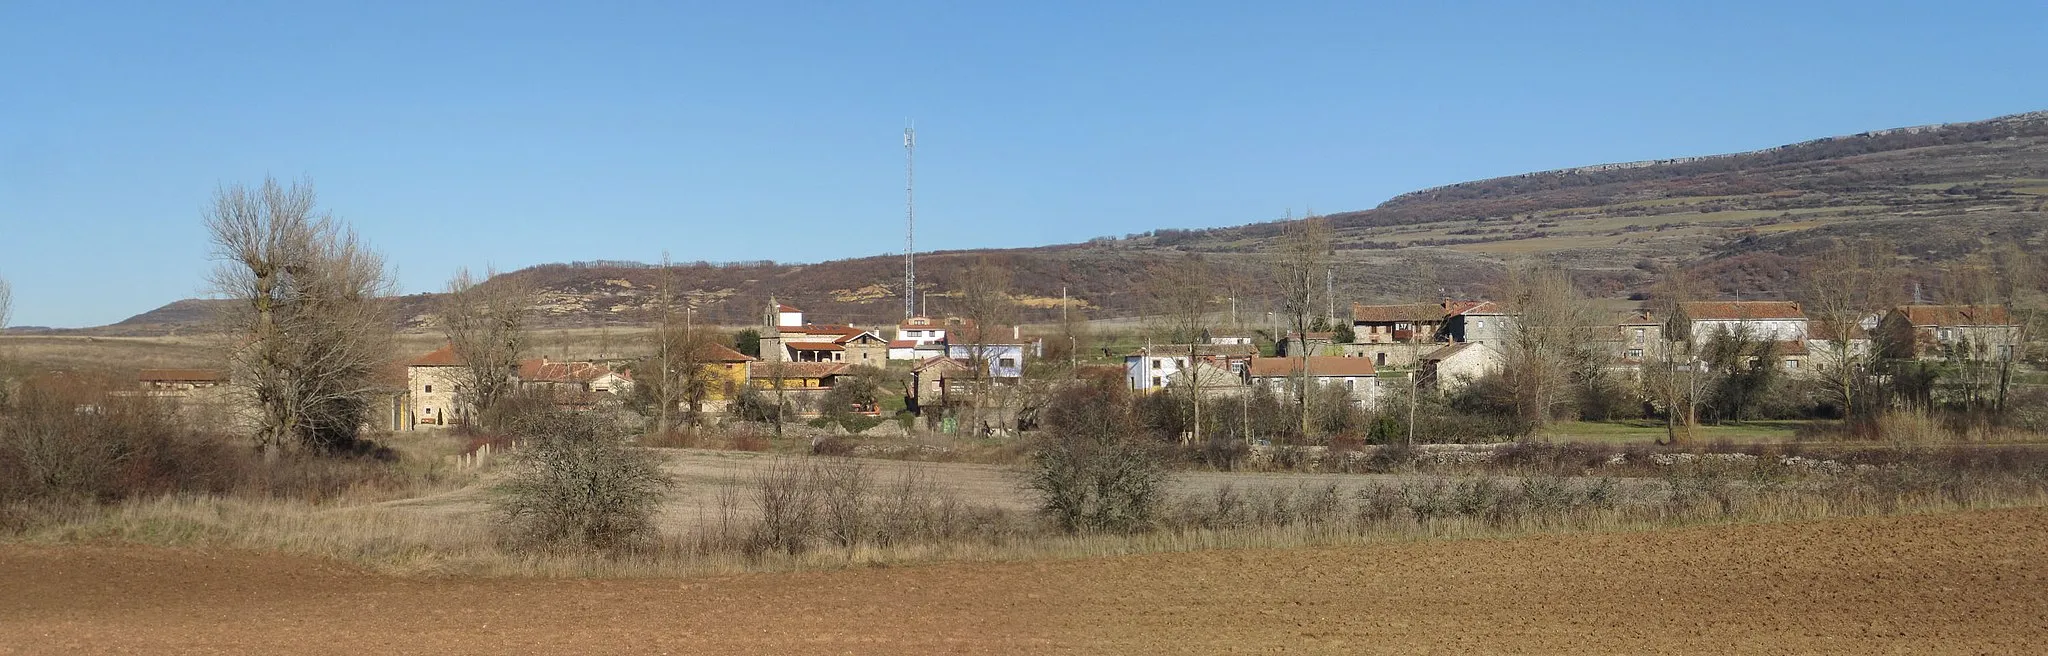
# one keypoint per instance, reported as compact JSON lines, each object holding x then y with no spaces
{"x":1939,"y":192}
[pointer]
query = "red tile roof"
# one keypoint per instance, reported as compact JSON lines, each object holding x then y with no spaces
{"x":540,"y":370}
{"x":779,"y":307}
{"x":182,"y":376}
{"x":814,"y":346}
{"x":1413,"y":312}
{"x":1455,"y":308}
{"x":1449,"y":350}
{"x":1792,"y":347}
{"x":787,"y":370}
{"x":440,"y":357}
{"x":1956,"y":315}
{"x":708,"y":352}
{"x":1319,"y":366}
{"x":821,"y":329}
{"x":903,"y":343}
{"x":1826,"y":330}
{"x":1741,"y":310}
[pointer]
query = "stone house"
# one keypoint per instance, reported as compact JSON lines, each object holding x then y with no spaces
{"x":928,"y":381}
{"x":1396,"y":324}
{"x":574,"y":385}
{"x":1967,"y":332}
{"x":790,"y":339}
{"x":1317,"y":343}
{"x":1636,"y":338}
{"x":1453,"y":366}
{"x":430,"y":382}
{"x":1483,"y":322}
{"x":1394,"y":336}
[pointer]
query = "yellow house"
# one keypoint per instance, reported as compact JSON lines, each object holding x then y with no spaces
{"x":728,"y":369}
{"x":798,"y":375}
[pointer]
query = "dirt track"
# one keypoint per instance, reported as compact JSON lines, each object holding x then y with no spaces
{"x":1968,"y":583}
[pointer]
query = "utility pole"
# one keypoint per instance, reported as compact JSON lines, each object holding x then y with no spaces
{"x":1329,"y":295}
{"x":1067,"y":324}
{"x":909,"y":221}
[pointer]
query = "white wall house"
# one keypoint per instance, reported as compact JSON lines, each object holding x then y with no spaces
{"x":1152,"y":368}
{"x":914,"y":333}
{"x":1355,"y":375}
{"x":1782,"y":321}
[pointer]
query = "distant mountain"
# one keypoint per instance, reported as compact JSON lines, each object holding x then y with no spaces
{"x":1939,"y":192}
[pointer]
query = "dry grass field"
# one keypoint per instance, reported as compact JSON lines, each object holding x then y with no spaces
{"x":1964,"y":583}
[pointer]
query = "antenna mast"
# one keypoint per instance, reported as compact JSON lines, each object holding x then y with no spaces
{"x":909,"y":222}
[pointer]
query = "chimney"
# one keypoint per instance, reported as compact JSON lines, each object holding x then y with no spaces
{"x":1016,"y":332}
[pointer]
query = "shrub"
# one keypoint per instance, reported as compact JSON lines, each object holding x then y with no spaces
{"x":1091,"y":468}
{"x":579,"y":485}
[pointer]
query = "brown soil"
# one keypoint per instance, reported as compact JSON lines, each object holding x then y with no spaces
{"x":1963,"y":583}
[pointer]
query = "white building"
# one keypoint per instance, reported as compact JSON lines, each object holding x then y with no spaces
{"x":1782,"y":321}
{"x":1152,"y":368}
{"x":1355,"y":375}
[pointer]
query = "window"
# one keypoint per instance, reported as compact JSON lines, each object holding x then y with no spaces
{"x":1155,"y":381}
{"x":1945,"y":335}
{"x":1350,"y":384}
{"x":1379,"y":360}
{"x":430,"y":389}
{"x":1007,"y":363}
{"x":1157,"y":363}
{"x":430,"y":411}
{"x":1791,"y":364}
{"x":1639,"y":335}
{"x":2005,"y":352}
{"x":1635,"y":354}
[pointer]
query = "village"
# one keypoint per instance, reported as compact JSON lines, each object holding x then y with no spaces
{"x":1023,"y":328}
{"x":943,"y":364}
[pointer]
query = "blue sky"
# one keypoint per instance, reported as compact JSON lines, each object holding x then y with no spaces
{"x":509,"y":134}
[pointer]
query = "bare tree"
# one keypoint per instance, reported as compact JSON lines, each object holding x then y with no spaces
{"x":1302,"y":264}
{"x":1549,"y":342}
{"x":675,"y":375}
{"x":309,"y":324}
{"x":1073,"y":335}
{"x":1180,"y":293}
{"x":485,"y":321}
{"x":1849,"y":282}
{"x":1672,"y":373}
{"x":1423,"y":288}
{"x":986,"y":303}
{"x":6,"y":305}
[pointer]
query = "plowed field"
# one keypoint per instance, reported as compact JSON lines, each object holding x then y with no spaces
{"x":1971,"y":583}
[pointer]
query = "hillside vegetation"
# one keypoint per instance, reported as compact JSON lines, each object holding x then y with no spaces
{"x":1937,"y":192}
